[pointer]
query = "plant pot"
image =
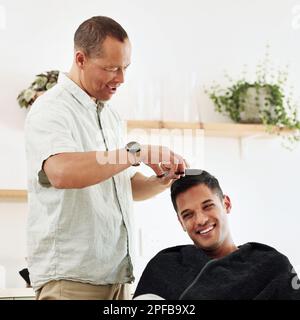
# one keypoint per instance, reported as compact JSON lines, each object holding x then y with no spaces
{"x":253,"y":102}
{"x":256,"y":102}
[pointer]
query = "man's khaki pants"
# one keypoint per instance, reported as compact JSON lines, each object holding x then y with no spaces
{"x":71,"y":290}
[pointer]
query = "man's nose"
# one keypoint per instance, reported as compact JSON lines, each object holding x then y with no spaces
{"x":201,"y":218}
{"x":120,"y":76}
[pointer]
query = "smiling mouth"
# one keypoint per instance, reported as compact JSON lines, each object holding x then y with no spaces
{"x":206,"y":230}
{"x":112,"y":89}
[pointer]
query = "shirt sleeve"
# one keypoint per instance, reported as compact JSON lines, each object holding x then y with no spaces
{"x":132,"y":171}
{"x":47,"y":132}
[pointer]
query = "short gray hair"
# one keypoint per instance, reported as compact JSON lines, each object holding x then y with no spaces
{"x":91,"y":33}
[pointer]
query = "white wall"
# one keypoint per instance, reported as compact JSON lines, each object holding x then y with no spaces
{"x":12,"y":242}
{"x":178,"y":47}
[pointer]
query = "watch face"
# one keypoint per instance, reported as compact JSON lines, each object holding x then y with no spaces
{"x":133,"y":147}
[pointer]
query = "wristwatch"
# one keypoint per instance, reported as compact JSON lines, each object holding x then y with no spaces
{"x":134,"y":148}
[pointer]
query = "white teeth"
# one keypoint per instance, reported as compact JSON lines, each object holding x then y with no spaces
{"x":206,"y":230}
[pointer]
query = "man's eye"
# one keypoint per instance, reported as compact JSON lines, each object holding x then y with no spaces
{"x":112,"y":69}
{"x":209,"y":206}
{"x":187,"y":215}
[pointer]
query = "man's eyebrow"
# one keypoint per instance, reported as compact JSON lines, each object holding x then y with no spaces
{"x":116,"y":66}
{"x":207,"y":201}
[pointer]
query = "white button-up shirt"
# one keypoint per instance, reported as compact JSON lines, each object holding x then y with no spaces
{"x":76,"y":234}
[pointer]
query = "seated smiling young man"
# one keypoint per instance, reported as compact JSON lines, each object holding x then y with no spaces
{"x":214,"y":267}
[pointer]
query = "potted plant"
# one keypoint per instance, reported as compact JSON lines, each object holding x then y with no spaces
{"x":41,"y":83}
{"x":263,"y":99}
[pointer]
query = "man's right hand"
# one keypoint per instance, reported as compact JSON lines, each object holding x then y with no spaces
{"x":162,"y":161}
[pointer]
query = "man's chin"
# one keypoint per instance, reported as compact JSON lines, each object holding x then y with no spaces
{"x":104,"y":99}
{"x":207,"y":246}
{"x":103,"y":96}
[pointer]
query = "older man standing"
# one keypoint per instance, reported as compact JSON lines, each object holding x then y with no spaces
{"x":80,"y":180}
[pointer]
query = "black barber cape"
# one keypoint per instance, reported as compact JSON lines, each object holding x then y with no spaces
{"x":254,"y":271}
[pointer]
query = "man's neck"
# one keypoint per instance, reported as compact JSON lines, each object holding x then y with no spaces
{"x":222,"y":251}
{"x":74,"y":76}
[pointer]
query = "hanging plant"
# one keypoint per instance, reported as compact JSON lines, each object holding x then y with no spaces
{"x":262,"y":100}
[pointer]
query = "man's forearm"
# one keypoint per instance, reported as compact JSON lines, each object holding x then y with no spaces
{"x":83,"y":169}
{"x":144,"y":188}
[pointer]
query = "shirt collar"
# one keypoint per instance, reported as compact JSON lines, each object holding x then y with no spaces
{"x":77,"y":92}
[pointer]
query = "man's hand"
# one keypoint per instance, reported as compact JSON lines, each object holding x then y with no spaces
{"x":164,"y":162}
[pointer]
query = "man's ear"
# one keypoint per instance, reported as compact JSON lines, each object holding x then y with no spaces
{"x":80,"y":59}
{"x":227,"y":203}
{"x":183,"y":227}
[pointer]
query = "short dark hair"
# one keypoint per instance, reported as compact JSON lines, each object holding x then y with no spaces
{"x":183,"y":184}
{"x":91,"y":33}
